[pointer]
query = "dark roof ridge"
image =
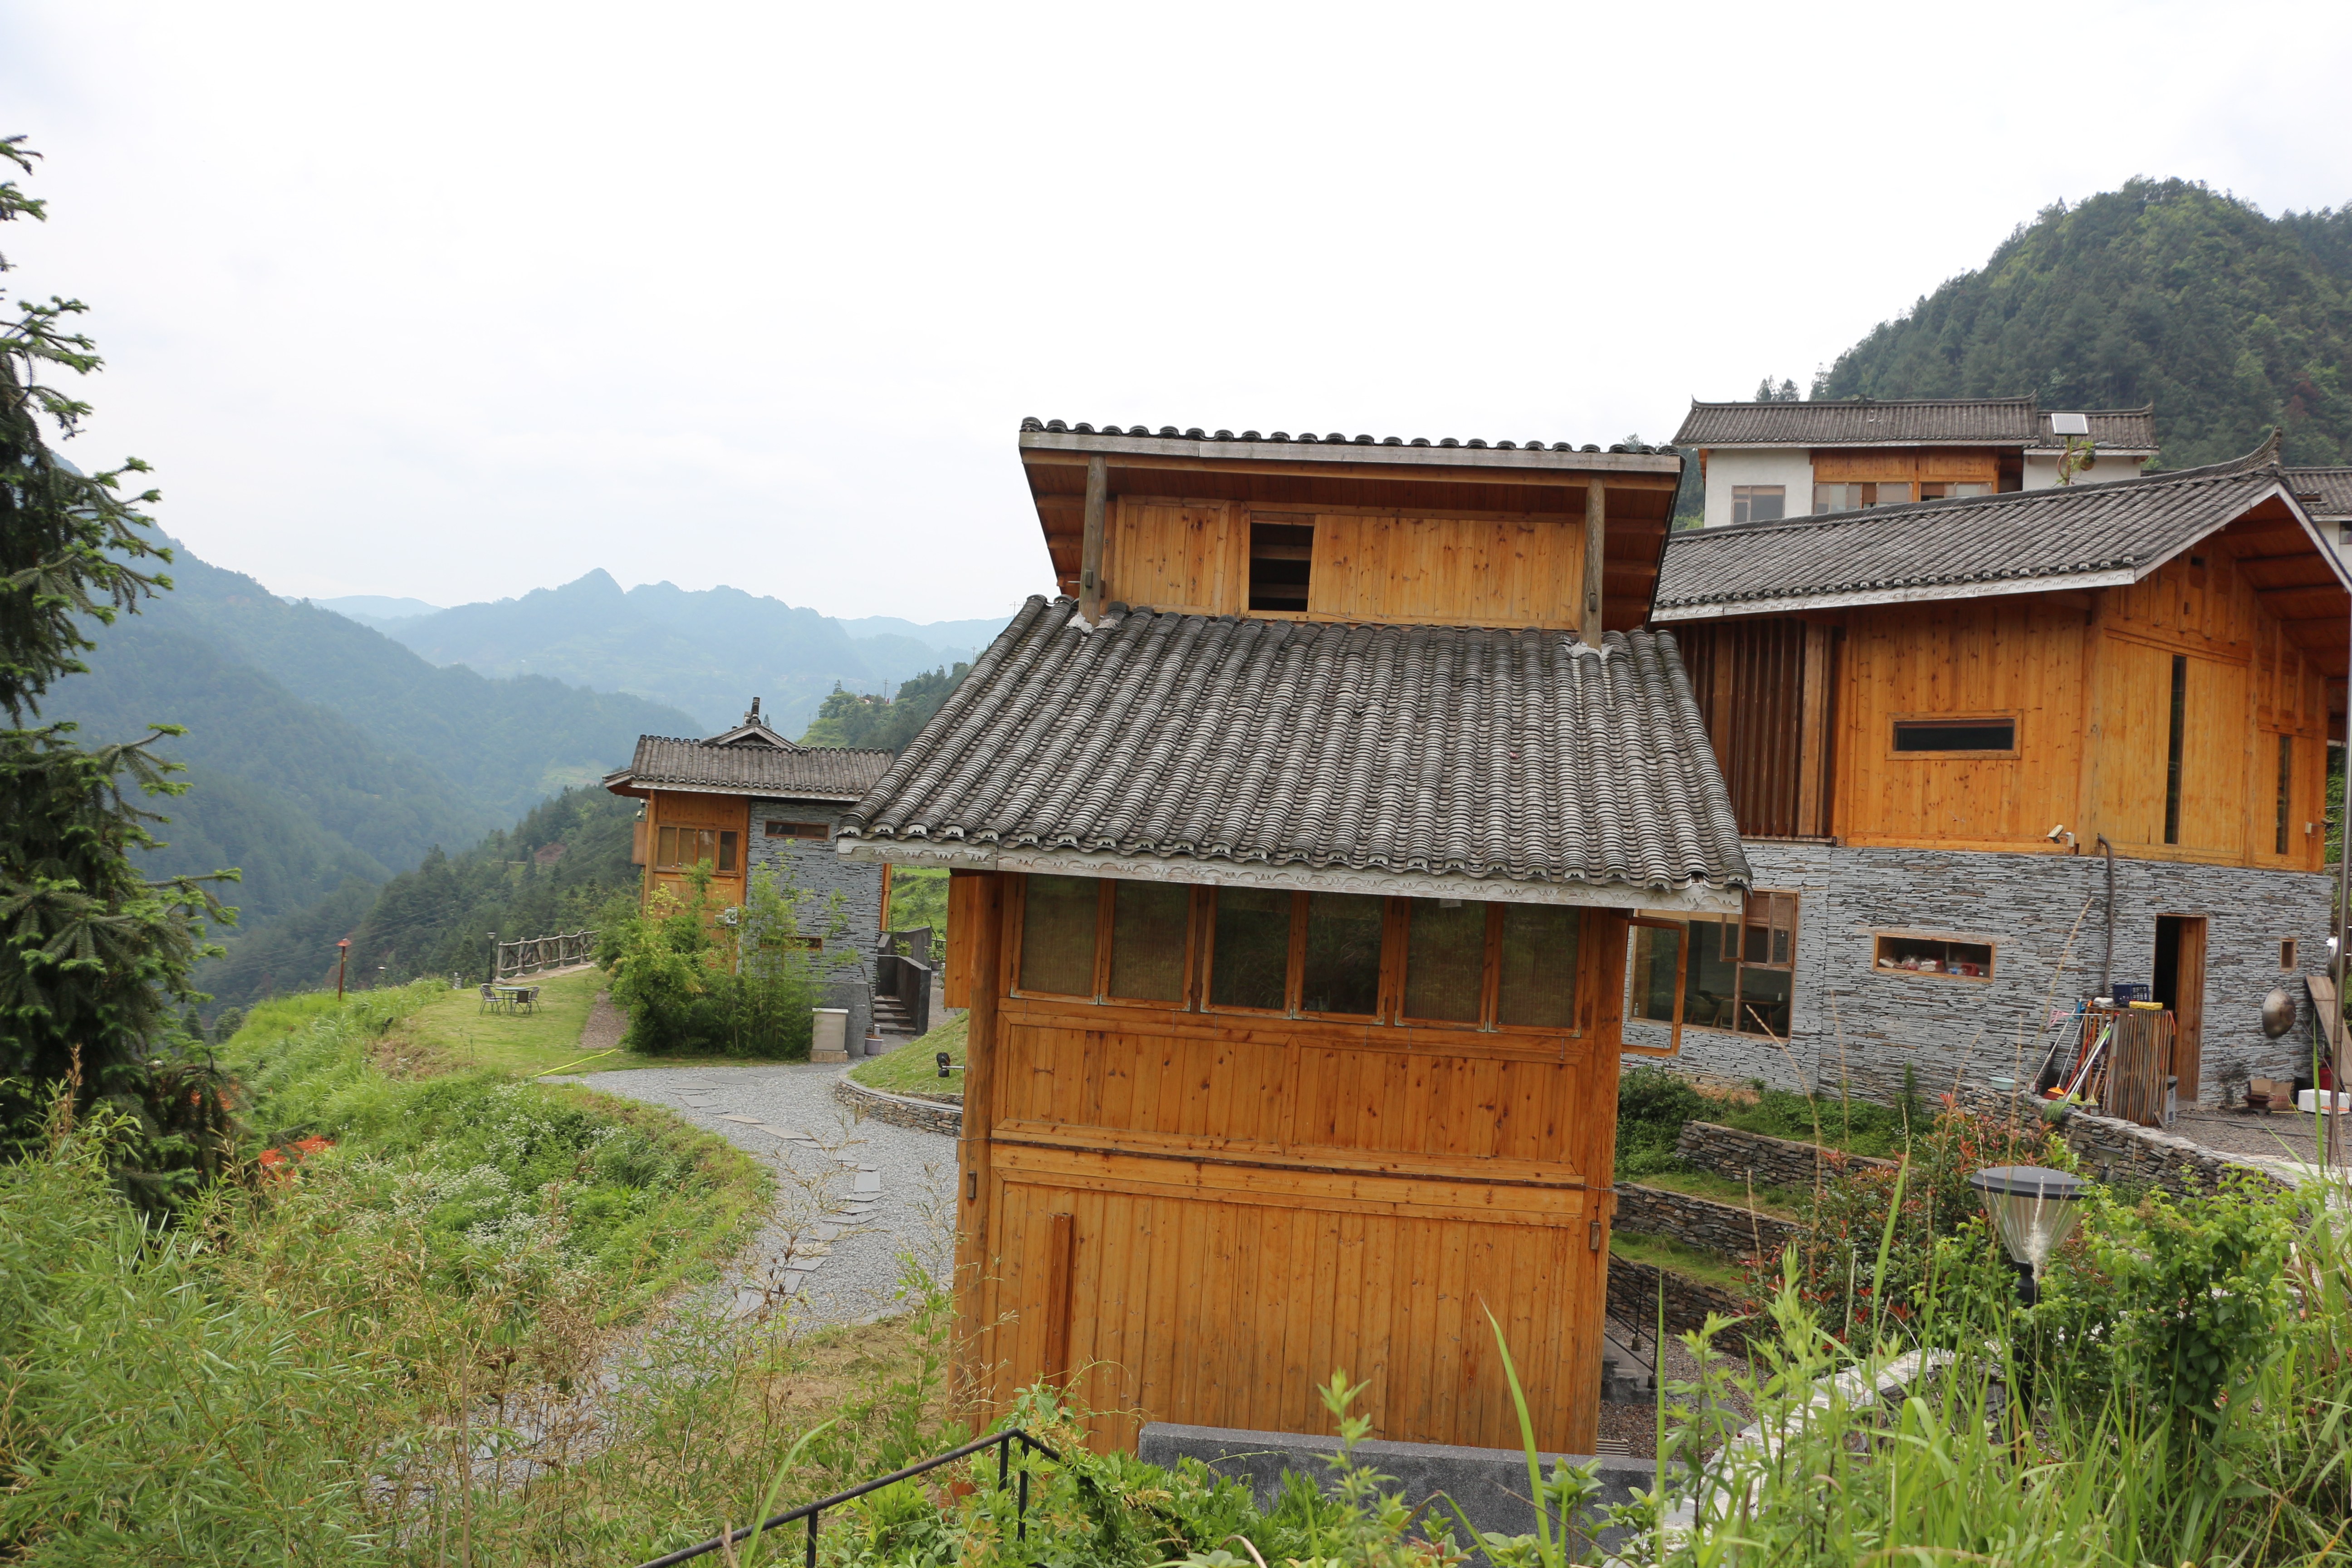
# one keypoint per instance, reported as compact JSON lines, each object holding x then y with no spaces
{"x":2027,"y":399}
{"x":2265,"y":456}
{"x":1032,"y":424}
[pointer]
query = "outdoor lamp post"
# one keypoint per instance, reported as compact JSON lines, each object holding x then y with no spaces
{"x":342,"y":957}
{"x":2034,"y":1209}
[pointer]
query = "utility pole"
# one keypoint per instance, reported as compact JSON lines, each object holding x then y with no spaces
{"x":342,"y":957}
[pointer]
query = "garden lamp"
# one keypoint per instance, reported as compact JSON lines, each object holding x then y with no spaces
{"x":2034,"y":1209}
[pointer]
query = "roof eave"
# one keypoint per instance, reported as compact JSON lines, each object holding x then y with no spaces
{"x":1907,"y":594}
{"x":1352,"y":453}
{"x":1696,"y":897}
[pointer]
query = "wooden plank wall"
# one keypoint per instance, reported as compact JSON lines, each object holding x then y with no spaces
{"x":1488,"y":569}
{"x":692,"y":808}
{"x":1838,"y":465}
{"x":1763,"y":691}
{"x":2088,"y":676}
{"x":1254,"y":1202}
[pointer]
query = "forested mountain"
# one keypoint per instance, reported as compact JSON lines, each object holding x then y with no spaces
{"x":853,"y":718}
{"x":709,"y":652}
{"x":325,"y":757}
{"x":550,"y":872}
{"x":2166,"y":293}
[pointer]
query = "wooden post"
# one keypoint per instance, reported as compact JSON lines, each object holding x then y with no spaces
{"x":1813,"y":734}
{"x":1090,"y":557}
{"x":975,"y":1356}
{"x":1596,"y":529}
{"x":1060,"y":1236}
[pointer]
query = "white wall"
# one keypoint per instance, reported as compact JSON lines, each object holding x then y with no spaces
{"x":2041,"y":470}
{"x":1790,"y":468}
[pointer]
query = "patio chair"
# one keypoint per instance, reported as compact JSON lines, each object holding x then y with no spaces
{"x":489,"y":997}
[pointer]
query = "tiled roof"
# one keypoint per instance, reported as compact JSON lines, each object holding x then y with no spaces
{"x":1863,"y":422}
{"x":2082,"y":536}
{"x":806,"y":772}
{"x":2112,"y":429}
{"x":2325,"y":492}
{"x":1308,"y":437}
{"x":1237,"y":748}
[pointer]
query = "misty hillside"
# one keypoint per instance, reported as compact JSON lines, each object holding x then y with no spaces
{"x":708,"y":651}
{"x":2166,"y":293}
{"x":323,"y":753}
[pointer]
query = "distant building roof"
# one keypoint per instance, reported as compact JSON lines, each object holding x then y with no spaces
{"x":1443,"y":761}
{"x":752,"y":768}
{"x":1418,"y":449}
{"x":1920,"y":422}
{"x":2076,"y":536}
{"x":2325,"y":493}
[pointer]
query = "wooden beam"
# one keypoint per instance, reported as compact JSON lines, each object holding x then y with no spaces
{"x":1090,"y":586}
{"x":1596,"y":555}
{"x":1812,"y":731}
{"x":975,"y":1191}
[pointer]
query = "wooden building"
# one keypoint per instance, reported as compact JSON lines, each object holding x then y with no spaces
{"x":749,"y":799}
{"x":1930,"y":715}
{"x":1766,"y":462}
{"x":1294,"y":860}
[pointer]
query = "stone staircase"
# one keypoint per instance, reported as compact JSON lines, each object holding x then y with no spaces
{"x":890,"y":1021}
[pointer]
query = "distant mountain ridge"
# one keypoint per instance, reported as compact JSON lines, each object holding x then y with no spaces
{"x":708,"y":651}
{"x":323,"y":755}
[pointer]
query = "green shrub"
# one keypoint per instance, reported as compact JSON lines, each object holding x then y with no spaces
{"x":1652,"y":1105}
{"x":737,"y":983}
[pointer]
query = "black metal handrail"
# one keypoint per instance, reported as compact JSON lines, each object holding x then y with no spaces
{"x":1000,"y":1441}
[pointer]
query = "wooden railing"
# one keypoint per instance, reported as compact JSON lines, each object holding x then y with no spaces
{"x":533,"y":954}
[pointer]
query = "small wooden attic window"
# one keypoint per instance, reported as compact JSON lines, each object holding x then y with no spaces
{"x":1282,"y":553}
{"x":799,"y":830}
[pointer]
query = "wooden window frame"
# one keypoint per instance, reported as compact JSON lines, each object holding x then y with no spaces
{"x":1742,"y":964}
{"x":719,"y":837}
{"x":1200,"y":958}
{"x":1681,"y":980}
{"x":2287,"y":953}
{"x":1744,"y":497}
{"x":1879,"y":938}
{"x":819,"y":831}
{"x":2014,"y":718}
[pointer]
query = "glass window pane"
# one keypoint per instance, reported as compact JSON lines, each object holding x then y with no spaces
{"x":1446,"y":960}
{"x":1891,"y":494}
{"x":1711,"y":987}
{"x":1343,"y":954}
{"x":1057,"y":935}
{"x":1764,"y":1002}
{"x":1836,"y":497}
{"x":1539,"y":990}
{"x":1249,"y":966}
{"x":1147,"y":940}
{"x":727,"y":852}
{"x":1972,"y":490}
{"x":666,"y":851}
{"x":1651,"y":962}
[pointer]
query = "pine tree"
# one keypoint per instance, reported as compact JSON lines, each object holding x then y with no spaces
{"x":94,"y":958}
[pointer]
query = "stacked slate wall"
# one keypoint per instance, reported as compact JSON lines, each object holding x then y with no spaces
{"x":1862,"y":1028}
{"x":811,"y":864}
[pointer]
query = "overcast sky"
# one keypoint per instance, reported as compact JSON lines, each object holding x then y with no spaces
{"x":455,"y":301}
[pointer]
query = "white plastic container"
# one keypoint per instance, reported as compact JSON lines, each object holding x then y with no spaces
{"x":829,"y":1039}
{"x":2309,"y":1101}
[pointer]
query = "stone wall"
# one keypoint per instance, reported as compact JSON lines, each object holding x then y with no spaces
{"x":899,"y":1109}
{"x":1700,"y":1223}
{"x":2125,"y":1150}
{"x":1740,"y":1156}
{"x":1862,"y":1028}
{"x":810,"y":866}
{"x":1633,"y":1300}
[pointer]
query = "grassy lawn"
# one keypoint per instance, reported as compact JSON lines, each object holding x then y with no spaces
{"x":1778,"y":1202}
{"x":1673,"y":1257}
{"x":453,"y":1030}
{"x":912,"y":1068}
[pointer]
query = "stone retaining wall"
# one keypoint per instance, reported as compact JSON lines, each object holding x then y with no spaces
{"x":1634,"y":1298}
{"x":1700,"y":1223}
{"x":2113,"y":1150}
{"x":899,"y":1109}
{"x":1740,"y":1156}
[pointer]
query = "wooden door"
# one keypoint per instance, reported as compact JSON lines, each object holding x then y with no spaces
{"x":2187,"y":1001}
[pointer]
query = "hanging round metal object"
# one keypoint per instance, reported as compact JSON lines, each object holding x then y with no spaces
{"x":2278,"y":1012}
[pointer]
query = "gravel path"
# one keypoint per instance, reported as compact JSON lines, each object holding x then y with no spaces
{"x":852,"y":1198}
